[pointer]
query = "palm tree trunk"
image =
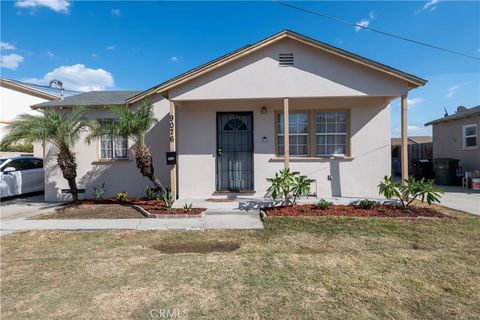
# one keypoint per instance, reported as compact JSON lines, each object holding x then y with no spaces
{"x":145,"y":165}
{"x":66,"y":161}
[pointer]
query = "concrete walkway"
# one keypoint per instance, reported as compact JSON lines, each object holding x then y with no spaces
{"x":217,"y":220}
{"x":461,"y":199}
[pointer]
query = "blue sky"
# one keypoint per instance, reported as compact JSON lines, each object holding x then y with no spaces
{"x":135,"y":45}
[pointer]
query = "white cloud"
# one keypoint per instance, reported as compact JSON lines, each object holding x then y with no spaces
{"x":78,"y":77}
{"x":430,"y":5}
{"x":453,"y":89}
{"x":111,"y":48}
{"x":6,"y":46}
{"x":50,"y":54}
{"x":61,"y":6}
{"x":365,"y":22}
{"x":11,"y":61}
{"x":174,"y":59}
{"x":414,"y":101}
{"x":362,"y":23}
{"x":414,"y":130}
{"x":116,"y":12}
{"x":410,"y":102}
{"x":94,"y":55}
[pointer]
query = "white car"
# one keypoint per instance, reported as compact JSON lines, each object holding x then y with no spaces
{"x":21,"y":175}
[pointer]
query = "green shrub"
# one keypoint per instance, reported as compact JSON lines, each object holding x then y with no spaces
{"x":150,"y":193}
{"x":99,"y":191}
{"x":122,"y":197}
{"x":166,"y":198}
{"x":411,"y":190}
{"x":367,"y":204}
{"x":187,"y":207}
{"x":323,"y":204}
{"x":287,"y":184}
{"x":21,"y":147}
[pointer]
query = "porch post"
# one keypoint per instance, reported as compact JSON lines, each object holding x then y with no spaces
{"x":404,"y":135}
{"x":173,"y":147}
{"x":286,"y":140}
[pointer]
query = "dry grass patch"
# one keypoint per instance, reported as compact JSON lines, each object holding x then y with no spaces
{"x":196,"y":247}
{"x":93,"y":211}
{"x":297,"y":268}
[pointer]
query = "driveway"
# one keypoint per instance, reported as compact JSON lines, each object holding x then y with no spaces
{"x":461,"y":199}
{"x":25,"y":207}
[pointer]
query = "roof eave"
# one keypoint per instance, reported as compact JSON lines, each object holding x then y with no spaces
{"x":413,"y":81}
{"x":27,"y":90}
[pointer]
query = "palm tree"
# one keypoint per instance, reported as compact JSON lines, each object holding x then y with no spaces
{"x":133,"y":123}
{"x":50,"y":127}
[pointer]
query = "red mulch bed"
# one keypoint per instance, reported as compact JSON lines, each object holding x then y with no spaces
{"x":387,"y":211}
{"x":152,"y":206}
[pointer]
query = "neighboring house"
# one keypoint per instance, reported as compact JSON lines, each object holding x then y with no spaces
{"x":225,"y":120}
{"x":419,"y":147}
{"x":456,"y":136}
{"x":15,"y":99}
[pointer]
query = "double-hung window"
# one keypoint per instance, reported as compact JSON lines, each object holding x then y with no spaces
{"x":314,"y":133}
{"x":113,"y":147}
{"x":470,"y":139}
{"x":297,"y":134}
{"x":331,"y":133}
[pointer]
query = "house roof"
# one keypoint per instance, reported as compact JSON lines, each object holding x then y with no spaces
{"x":458,"y":115}
{"x":412,"y":140}
{"x":25,"y":88}
{"x":92,"y":98}
{"x":412,"y":80}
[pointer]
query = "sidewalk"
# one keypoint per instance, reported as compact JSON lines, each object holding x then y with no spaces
{"x":216,"y":220}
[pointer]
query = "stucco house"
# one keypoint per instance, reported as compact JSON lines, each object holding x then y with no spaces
{"x":456,"y":136}
{"x":226,"y":122}
{"x":16,"y":98}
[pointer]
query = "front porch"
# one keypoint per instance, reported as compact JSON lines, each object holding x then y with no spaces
{"x":270,"y":141}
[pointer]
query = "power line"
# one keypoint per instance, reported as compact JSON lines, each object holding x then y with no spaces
{"x":44,"y":86}
{"x":375,"y":30}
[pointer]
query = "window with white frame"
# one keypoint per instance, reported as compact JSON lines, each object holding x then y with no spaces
{"x":470,"y":136}
{"x":297,"y":134}
{"x":113,"y":147}
{"x":331,"y":133}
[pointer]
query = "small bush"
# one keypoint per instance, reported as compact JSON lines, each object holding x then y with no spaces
{"x":166,"y":198}
{"x":323,"y":204}
{"x":26,"y":147}
{"x":411,"y":190}
{"x":287,"y":184}
{"x":367,"y":204}
{"x":122,"y":197}
{"x":187,"y":207}
{"x":150,"y":193}
{"x":99,"y":191}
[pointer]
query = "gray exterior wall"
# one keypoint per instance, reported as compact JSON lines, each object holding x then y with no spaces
{"x":448,"y":142}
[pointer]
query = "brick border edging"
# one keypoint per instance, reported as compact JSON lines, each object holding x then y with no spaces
{"x":165,"y":216}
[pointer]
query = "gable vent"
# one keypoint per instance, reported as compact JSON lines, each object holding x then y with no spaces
{"x":285,"y":59}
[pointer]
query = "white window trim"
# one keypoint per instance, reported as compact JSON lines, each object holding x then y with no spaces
{"x":464,"y":136}
{"x":113,"y":150}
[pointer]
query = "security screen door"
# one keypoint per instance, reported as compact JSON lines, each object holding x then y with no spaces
{"x":234,"y":151}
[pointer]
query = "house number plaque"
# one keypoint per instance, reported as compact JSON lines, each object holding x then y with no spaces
{"x":172,"y":128}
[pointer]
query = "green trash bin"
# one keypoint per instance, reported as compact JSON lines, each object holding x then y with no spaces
{"x":445,"y":171}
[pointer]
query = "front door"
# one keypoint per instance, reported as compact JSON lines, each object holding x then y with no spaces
{"x":234,"y":151}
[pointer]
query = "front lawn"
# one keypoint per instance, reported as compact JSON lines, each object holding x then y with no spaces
{"x":304,"y":268}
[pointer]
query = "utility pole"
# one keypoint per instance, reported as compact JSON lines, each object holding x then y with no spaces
{"x":59,"y":84}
